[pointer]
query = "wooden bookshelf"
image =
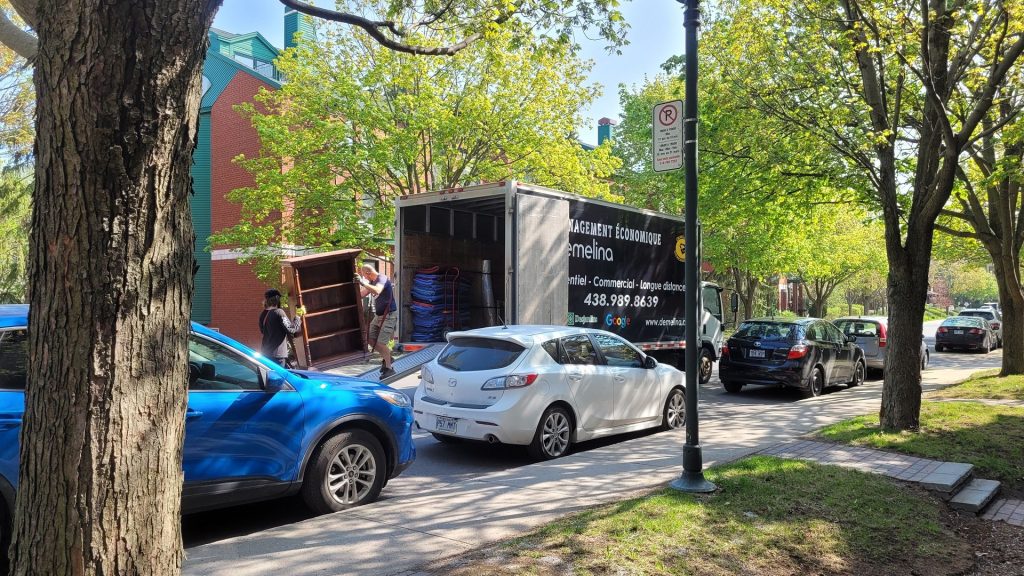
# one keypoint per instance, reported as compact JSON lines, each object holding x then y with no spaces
{"x":333,"y":329}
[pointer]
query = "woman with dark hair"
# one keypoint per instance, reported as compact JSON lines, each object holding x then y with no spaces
{"x":276,"y":327}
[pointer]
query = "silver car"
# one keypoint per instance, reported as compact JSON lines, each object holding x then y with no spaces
{"x":872,"y":335}
{"x":995,"y":320}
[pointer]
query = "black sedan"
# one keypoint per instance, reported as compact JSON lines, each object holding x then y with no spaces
{"x":804,"y":353}
{"x":965,"y":332}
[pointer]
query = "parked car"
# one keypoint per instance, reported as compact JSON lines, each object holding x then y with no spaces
{"x":965,"y":333}
{"x":992,"y":305}
{"x":871,"y":333}
{"x":253,"y":431}
{"x":995,"y":321}
{"x":805,"y":353}
{"x":545,"y":387}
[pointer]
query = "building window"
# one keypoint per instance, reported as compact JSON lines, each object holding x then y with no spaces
{"x":261,"y":67}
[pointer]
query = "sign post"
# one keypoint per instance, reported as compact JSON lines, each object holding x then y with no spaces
{"x":692,"y":479}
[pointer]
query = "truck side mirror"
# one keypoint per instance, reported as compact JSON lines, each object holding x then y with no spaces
{"x":734,"y":302}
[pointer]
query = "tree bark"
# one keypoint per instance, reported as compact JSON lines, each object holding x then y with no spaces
{"x":1011,"y":298}
{"x":111,"y":263}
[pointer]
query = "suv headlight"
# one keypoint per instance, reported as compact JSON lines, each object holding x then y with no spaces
{"x":511,"y":381}
{"x":394,"y":397}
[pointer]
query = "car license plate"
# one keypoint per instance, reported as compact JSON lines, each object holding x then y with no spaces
{"x":755,"y":353}
{"x":445,"y":424}
{"x":958,"y":331}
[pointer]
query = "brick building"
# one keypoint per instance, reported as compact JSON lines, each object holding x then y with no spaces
{"x":228,"y":296}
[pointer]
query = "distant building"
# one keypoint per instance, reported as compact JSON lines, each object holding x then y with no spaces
{"x":228,"y":296}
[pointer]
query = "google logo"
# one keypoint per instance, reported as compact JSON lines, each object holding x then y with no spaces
{"x":618,"y":321}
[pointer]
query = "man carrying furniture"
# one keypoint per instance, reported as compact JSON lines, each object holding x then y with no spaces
{"x":385,"y":318}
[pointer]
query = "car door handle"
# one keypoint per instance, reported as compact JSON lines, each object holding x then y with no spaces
{"x":192,"y":414}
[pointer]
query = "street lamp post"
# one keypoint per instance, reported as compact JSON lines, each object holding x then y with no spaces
{"x":692,"y":479}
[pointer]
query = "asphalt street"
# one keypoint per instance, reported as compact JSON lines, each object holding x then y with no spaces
{"x":438,"y":464}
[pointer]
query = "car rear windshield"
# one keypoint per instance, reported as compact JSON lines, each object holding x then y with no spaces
{"x":986,"y":314}
{"x":858,"y":327}
{"x":472,"y":354}
{"x":969,"y":321}
{"x":766,"y":331}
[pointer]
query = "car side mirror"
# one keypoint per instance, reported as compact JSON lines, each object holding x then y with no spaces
{"x":851,"y":338}
{"x":650,"y":363}
{"x":274,"y":382}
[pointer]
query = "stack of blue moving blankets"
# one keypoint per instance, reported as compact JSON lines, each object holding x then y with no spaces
{"x":440,"y":303}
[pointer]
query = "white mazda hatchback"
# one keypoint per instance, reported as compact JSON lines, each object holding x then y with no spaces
{"x":545,"y":387}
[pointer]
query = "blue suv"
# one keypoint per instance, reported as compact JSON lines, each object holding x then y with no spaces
{"x":253,"y":430}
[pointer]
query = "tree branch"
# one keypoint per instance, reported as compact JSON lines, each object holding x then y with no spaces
{"x":375,"y":29}
{"x":12,"y":36}
{"x":957,"y":233}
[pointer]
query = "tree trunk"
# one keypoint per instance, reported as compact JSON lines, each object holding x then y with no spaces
{"x":117,"y":86}
{"x":908,"y":292}
{"x":1011,"y":298}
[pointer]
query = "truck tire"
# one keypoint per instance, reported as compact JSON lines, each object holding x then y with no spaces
{"x":705,"y":364}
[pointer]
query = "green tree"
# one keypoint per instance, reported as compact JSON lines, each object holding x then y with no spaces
{"x":974,"y":286}
{"x":357,"y":125}
{"x":110,"y":259}
{"x":15,"y":209}
{"x":988,"y":210}
{"x":757,"y":177}
{"x":898,"y":91}
{"x":840,"y":243}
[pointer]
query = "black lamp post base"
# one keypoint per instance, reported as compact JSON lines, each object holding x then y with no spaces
{"x":694,"y":483}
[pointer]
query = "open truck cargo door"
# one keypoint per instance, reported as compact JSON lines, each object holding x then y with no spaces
{"x":541,"y":278}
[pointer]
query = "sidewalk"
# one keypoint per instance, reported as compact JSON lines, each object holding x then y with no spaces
{"x":398,"y":535}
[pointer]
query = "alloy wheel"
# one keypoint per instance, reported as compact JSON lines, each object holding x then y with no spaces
{"x":675,"y":410}
{"x":351,"y":475}
{"x":555,"y":434}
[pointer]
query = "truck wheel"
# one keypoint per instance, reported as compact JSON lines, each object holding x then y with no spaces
{"x":705,"y":364}
{"x":732,"y":387}
{"x":346,"y":470}
{"x":553,"y":435}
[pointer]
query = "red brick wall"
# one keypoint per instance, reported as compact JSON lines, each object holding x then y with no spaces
{"x":237,"y":296}
{"x":237,"y":301}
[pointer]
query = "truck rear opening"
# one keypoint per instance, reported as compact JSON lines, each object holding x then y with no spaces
{"x":447,"y":244}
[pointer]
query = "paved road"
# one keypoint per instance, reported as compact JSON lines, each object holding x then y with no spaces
{"x":438,"y":464}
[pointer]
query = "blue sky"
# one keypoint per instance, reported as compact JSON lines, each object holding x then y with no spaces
{"x":656,"y":32}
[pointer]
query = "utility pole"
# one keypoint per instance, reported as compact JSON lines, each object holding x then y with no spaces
{"x":692,"y":479}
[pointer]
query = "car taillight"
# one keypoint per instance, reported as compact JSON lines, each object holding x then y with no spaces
{"x":797,"y":352}
{"x":883,"y":338}
{"x":725,"y":350}
{"x":943,"y":329}
{"x":512,"y":381}
{"x":976,"y":331}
